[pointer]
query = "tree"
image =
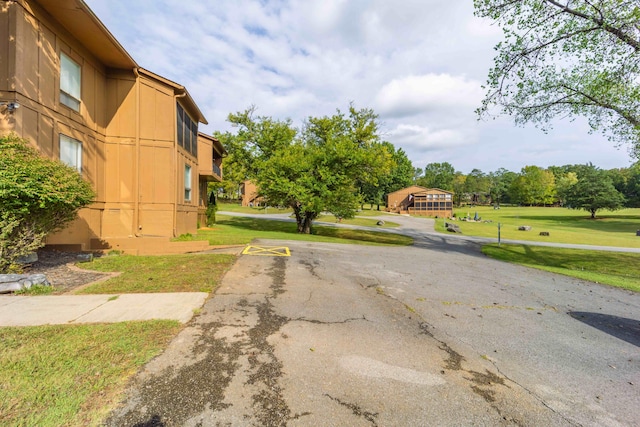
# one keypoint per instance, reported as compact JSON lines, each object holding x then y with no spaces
{"x":476,"y":185}
{"x":594,"y":191}
{"x":567,"y":58}
{"x":400,"y":175}
{"x":438,"y":175}
{"x":632,"y":186}
{"x":499,"y":182}
{"x":459,"y":182}
{"x":534,"y":186}
{"x":564,"y":184}
{"x":417,"y":174}
{"x":37,"y":196}
{"x":315,"y":170}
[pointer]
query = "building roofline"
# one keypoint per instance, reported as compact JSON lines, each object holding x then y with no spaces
{"x":78,"y":19}
{"x":215,"y":142}
{"x":179,"y":90}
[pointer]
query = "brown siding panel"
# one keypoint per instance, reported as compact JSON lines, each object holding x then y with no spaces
{"x":29,"y":127}
{"x":48,"y":69}
{"x":27,"y":38}
{"x":7,"y":45}
{"x":45,"y":135}
{"x":147,"y":112}
{"x":126,"y":161}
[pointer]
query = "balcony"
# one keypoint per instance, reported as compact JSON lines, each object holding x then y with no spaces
{"x":213,"y":174}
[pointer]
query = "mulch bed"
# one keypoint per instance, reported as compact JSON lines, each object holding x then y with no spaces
{"x":60,"y":271}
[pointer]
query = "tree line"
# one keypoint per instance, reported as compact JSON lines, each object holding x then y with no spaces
{"x":575,"y":186}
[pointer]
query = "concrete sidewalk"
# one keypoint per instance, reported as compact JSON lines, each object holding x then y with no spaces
{"x":74,"y":309}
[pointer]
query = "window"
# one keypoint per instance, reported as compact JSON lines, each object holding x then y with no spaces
{"x":187,"y":132}
{"x":71,"y":152}
{"x":187,"y":183}
{"x":69,"y":82}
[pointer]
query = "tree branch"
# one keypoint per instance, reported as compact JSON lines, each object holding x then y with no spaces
{"x":617,"y":32}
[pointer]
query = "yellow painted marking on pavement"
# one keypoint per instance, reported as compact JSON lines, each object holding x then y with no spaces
{"x":267,"y":250}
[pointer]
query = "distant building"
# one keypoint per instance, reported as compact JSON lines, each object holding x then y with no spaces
{"x":249,"y":192}
{"x":130,"y":132}
{"x":417,"y":200}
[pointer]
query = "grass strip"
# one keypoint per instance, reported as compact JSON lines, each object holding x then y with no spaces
{"x":170,"y":273}
{"x":364,"y":222}
{"x":72,"y":374}
{"x":619,"y":269}
{"x":242,"y":230}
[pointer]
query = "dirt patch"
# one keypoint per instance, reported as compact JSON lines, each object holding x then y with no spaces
{"x":178,"y":394}
{"x":59,"y":268}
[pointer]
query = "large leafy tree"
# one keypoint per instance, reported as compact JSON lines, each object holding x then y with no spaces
{"x":534,"y":186}
{"x":568,"y":58}
{"x":499,"y":183}
{"x":313,"y":170}
{"x":37,"y":196}
{"x":594,"y":191}
{"x":438,"y":175}
{"x":476,"y":185}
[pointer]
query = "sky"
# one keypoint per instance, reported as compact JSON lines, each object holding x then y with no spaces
{"x":419,"y":64}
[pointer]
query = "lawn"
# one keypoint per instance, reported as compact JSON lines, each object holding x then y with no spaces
{"x":237,"y":207}
{"x":242,"y":230}
{"x":170,"y":273}
{"x":72,"y":375}
{"x":564,"y":225}
{"x":619,"y":269}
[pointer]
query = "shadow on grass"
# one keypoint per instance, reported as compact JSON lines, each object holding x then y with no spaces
{"x":620,"y":327}
{"x":259,"y":224}
{"x":260,"y":228}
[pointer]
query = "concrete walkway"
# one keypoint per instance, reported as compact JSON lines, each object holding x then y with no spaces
{"x":75,"y":309}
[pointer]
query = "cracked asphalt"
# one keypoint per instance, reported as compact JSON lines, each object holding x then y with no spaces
{"x":429,"y":335}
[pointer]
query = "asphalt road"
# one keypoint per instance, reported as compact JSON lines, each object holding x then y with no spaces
{"x":430,"y":335}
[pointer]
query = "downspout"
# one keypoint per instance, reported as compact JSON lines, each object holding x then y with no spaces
{"x":136,"y":202}
{"x":175,"y":162}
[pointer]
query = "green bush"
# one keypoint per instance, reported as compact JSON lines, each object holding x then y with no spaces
{"x":37,"y":196}
{"x":211,"y":214}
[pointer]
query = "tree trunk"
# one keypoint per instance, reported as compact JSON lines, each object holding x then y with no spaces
{"x":593,"y":213}
{"x":303,"y":220}
{"x":306,"y":229}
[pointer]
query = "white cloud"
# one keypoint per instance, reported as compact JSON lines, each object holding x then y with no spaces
{"x":408,"y":96}
{"x":423,"y":139}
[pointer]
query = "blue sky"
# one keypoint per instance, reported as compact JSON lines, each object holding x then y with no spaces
{"x":419,"y":64}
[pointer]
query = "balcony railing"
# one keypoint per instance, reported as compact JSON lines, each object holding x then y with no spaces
{"x":217,"y":170}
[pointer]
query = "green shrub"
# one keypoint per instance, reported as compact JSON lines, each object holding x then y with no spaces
{"x":211,"y":214}
{"x":37,"y":196}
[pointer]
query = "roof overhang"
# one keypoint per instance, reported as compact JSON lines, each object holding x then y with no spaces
{"x":215,"y":142}
{"x":80,"y":21}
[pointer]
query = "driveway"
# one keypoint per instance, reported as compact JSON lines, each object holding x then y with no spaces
{"x":429,"y":335}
